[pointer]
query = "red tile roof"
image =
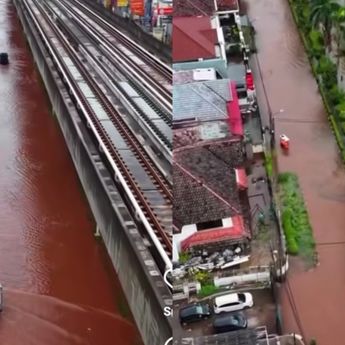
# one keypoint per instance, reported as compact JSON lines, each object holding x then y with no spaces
{"x":193,"y":38}
{"x":204,"y":237}
{"x":227,"y":5}
{"x":183,"y":8}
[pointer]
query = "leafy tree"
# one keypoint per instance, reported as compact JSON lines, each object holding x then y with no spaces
{"x":324,"y":14}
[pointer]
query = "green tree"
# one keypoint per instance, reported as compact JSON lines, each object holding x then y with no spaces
{"x":323,"y":15}
{"x":339,"y":21}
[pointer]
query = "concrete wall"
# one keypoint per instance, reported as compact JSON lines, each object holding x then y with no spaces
{"x":146,"y":40}
{"x":145,"y":290}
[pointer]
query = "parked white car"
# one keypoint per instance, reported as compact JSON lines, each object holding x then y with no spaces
{"x":233,"y":302}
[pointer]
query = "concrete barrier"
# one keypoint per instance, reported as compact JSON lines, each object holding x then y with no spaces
{"x":144,"y":287}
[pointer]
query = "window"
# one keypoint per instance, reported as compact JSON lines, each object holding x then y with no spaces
{"x":229,"y":305}
{"x":242,"y":297}
{"x":235,"y":320}
{"x":210,"y":225}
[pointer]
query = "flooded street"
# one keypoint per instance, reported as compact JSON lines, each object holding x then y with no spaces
{"x":60,"y":287}
{"x":318,"y":294}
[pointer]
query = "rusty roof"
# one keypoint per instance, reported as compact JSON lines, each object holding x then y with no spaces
{"x":184,"y":8}
{"x":204,"y":183}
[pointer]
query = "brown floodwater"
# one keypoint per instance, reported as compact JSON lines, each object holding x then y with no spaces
{"x":60,"y":287}
{"x":318,"y":294}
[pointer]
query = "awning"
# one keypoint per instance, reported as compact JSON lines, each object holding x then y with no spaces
{"x":234,"y":112}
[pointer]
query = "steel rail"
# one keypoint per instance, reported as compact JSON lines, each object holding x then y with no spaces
{"x":154,"y":133}
{"x":166,"y":70}
{"x":151,"y":86}
{"x":102,"y":138}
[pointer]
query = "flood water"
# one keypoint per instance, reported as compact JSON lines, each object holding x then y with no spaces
{"x":60,"y":287}
{"x":317,"y":294}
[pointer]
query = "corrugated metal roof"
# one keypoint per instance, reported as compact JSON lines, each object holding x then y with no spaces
{"x":202,"y":100}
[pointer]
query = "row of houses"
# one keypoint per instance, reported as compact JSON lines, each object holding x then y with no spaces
{"x":211,"y":208}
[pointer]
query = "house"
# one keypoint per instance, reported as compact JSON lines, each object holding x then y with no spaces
{"x":209,"y":179}
{"x":195,"y":8}
{"x":198,"y":43}
{"x":211,"y":100}
{"x":210,"y":193}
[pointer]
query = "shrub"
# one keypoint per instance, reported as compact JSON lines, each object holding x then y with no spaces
{"x":329,"y":76}
{"x":207,"y":290}
{"x":204,"y":278}
{"x":290,"y":232}
{"x":295,"y":222}
{"x":335,"y":96}
{"x":316,"y":44}
{"x":269,"y":165}
{"x":283,"y":177}
{"x":184,"y":257}
{"x":340,"y":108}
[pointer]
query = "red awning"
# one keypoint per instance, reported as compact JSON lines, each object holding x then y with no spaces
{"x":234,"y":112}
{"x":204,"y":237}
{"x":241,"y":178}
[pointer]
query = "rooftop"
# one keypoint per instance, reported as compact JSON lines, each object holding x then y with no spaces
{"x":183,"y":8}
{"x":201,"y":132}
{"x":205,"y":184}
{"x":191,"y":76}
{"x":194,"y":38}
{"x":243,"y":337}
{"x":227,"y":5}
{"x":234,"y":233}
{"x":202,"y":100}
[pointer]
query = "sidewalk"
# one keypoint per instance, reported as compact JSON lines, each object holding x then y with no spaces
{"x":315,"y":308}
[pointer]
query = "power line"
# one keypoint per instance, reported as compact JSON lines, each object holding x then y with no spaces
{"x":293,"y":305}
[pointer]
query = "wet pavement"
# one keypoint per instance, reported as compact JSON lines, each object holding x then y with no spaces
{"x":60,"y":287}
{"x":261,"y":314}
{"x":316,"y":295}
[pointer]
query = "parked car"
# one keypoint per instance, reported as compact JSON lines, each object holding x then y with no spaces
{"x":233,"y":302}
{"x":194,"y":312}
{"x":229,"y":322}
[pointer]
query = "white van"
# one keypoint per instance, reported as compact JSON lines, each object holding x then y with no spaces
{"x":233,"y":302}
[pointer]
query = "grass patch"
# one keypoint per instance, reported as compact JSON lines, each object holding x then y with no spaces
{"x":248,"y":34}
{"x":207,"y":290}
{"x":297,"y":228}
{"x":269,"y":165}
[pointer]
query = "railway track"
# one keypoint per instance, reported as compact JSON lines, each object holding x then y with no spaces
{"x":161,"y":67}
{"x":158,"y":132}
{"x":151,"y":79}
{"x":152,"y":204}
